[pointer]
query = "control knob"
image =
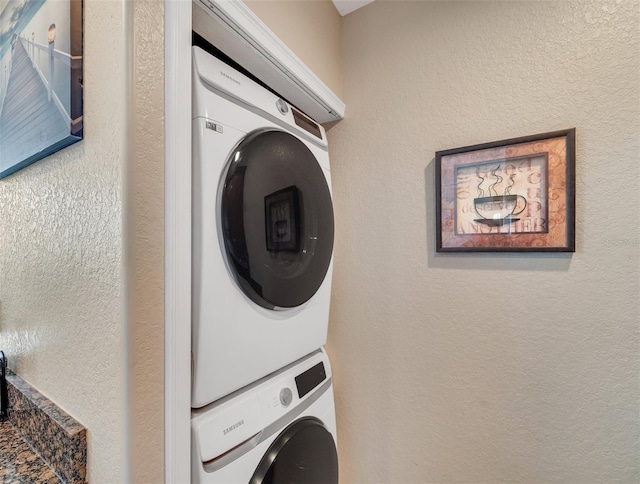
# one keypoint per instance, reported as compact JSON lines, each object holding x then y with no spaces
{"x":282,"y":106}
{"x":286,"y":396}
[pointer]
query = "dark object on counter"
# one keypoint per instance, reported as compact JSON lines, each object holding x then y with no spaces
{"x":4,"y":394}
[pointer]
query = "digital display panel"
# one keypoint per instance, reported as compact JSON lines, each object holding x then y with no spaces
{"x":307,"y":381}
{"x":307,"y":124}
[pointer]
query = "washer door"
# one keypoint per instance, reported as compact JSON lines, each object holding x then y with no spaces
{"x":277,"y":219}
{"x":303,"y":453}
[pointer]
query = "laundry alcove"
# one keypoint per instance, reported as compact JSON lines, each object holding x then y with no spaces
{"x":240,"y":34}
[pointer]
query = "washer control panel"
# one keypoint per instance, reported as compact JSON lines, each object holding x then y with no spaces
{"x":238,"y":417}
{"x":280,"y":395}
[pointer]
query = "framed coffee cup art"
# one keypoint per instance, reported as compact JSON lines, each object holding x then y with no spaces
{"x":515,"y":195}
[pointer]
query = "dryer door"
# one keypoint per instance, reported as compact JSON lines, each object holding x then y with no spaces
{"x":303,"y":452}
{"x":277,"y":219}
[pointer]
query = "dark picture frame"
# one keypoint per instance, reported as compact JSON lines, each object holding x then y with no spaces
{"x":514,"y":195}
{"x":41,"y":72}
{"x":282,"y":220}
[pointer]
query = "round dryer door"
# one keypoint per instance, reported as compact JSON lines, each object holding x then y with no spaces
{"x":277,"y":219}
{"x":304,"y":452}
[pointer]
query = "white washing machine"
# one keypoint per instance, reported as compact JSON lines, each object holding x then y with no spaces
{"x":262,"y":231}
{"x":280,"y":429}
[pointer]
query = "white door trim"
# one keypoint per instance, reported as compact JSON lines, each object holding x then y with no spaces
{"x":177,"y":240}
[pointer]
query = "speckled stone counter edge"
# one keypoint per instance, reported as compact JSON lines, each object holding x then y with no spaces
{"x":54,"y":434}
{"x":19,"y":464}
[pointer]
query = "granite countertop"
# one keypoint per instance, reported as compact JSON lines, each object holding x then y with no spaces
{"x":19,"y":464}
{"x":40,"y":442}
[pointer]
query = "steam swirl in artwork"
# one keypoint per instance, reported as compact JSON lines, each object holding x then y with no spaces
{"x":496,"y":209}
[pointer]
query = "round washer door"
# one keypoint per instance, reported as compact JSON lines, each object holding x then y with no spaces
{"x":277,"y":219}
{"x":304,"y":452}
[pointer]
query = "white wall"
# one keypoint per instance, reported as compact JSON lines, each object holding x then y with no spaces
{"x":478,"y":367}
{"x":61,"y":278}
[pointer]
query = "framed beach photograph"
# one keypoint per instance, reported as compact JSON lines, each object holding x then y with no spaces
{"x":40,"y":79}
{"x":515,"y":195}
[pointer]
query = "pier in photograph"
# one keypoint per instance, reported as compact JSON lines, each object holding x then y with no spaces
{"x":30,"y":120}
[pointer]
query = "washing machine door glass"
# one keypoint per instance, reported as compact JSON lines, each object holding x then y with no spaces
{"x":304,"y":452}
{"x":277,"y":219}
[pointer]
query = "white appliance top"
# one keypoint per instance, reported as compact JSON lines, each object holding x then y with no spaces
{"x":238,"y":32}
{"x":243,"y":415}
{"x":215,"y":74}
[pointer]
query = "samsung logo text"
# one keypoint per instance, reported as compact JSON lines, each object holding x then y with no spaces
{"x":232,"y":427}
{"x":224,"y":74}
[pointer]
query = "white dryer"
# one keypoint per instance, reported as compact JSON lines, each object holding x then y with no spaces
{"x":262,"y":231}
{"x":280,"y":430}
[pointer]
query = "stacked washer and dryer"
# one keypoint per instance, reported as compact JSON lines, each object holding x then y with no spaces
{"x":262,"y":394}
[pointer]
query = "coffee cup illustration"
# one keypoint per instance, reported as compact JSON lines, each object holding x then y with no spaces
{"x":498,"y":210}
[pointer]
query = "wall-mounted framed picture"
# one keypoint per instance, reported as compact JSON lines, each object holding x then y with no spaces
{"x":40,"y":79}
{"x":514,"y":195}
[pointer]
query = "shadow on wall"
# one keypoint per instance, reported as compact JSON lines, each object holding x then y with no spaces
{"x":482,"y":261}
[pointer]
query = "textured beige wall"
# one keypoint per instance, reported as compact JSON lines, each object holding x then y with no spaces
{"x":311,"y":29}
{"x":61,"y":280}
{"x":485,"y":368}
{"x":63,"y":289}
{"x":144,"y":244}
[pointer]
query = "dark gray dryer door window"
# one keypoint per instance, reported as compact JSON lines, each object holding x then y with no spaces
{"x":277,"y":219}
{"x":304,"y":453}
